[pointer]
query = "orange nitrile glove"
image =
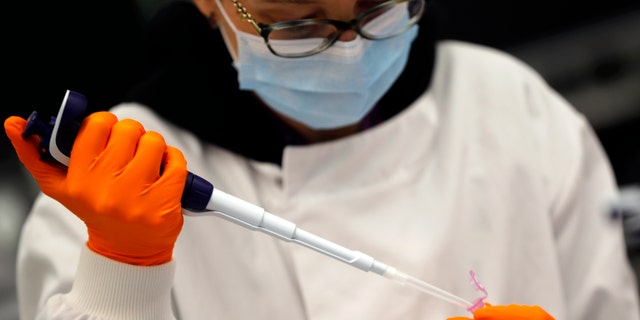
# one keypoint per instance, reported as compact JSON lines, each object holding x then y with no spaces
{"x":508,"y":312}
{"x":123,"y":182}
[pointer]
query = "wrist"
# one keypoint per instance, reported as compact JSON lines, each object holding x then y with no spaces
{"x":130,"y":254}
{"x":112,"y":289}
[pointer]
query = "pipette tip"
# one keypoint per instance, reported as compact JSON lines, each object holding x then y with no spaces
{"x":402,"y":278}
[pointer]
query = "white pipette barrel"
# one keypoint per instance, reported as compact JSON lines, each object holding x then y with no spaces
{"x":256,"y":218}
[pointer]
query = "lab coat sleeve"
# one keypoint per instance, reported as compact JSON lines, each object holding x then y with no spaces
{"x":58,"y":277}
{"x":596,"y":272}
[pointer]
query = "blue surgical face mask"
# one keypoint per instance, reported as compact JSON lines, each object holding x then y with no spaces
{"x":331,"y":89}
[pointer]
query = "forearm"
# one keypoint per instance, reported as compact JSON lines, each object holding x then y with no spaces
{"x":59,"y":277}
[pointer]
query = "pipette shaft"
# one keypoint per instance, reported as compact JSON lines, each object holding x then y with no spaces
{"x":256,"y":218}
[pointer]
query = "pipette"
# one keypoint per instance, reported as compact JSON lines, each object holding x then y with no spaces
{"x":201,"y":198}
{"x":256,"y":218}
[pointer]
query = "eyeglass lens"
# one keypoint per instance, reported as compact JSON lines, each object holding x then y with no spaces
{"x":381,"y":22}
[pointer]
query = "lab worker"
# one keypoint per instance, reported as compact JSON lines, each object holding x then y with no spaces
{"x":351,"y":120}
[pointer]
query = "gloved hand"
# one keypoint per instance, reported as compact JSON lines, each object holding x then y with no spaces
{"x":508,"y":312}
{"x":123,"y":182}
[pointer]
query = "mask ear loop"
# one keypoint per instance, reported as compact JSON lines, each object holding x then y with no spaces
{"x":214,"y":24}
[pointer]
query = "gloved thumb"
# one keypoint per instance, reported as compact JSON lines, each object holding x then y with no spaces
{"x":28,"y":151}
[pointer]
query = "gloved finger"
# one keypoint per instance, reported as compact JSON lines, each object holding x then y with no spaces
{"x":175,"y":172}
{"x":173,"y":180}
{"x":149,"y":156}
{"x":91,"y":140}
{"x":28,"y":151}
{"x":122,"y":144}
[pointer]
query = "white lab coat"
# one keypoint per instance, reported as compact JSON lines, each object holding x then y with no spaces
{"x":490,"y":170}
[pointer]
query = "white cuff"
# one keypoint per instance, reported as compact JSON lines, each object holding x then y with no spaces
{"x":114,"y":290}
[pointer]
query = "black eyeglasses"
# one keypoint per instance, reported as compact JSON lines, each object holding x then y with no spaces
{"x":382,"y":21}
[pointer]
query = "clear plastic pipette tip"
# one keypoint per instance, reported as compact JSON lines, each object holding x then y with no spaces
{"x":405,"y":279}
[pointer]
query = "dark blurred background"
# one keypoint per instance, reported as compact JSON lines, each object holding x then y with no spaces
{"x":588,"y":51}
